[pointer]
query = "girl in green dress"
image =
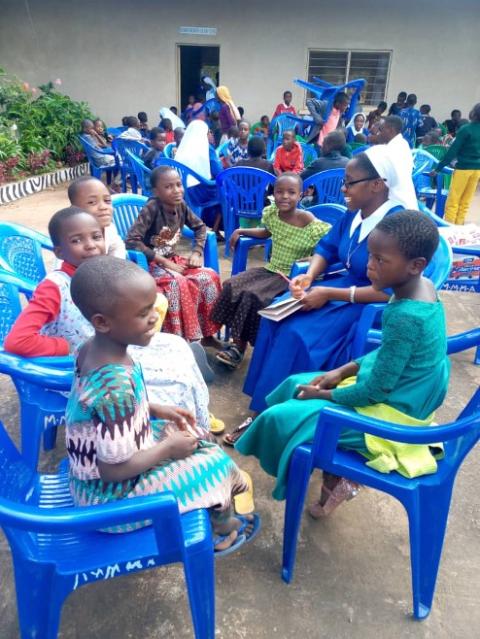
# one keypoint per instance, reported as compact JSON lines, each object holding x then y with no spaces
{"x":294,"y":234}
{"x":115,"y":451}
{"x":404,"y":381}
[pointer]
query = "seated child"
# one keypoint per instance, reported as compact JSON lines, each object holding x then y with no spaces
{"x":88,"y":133}
{"x":166,"y":125}
{"x":158,"y":141}
{"x":256,"y":155}
{"x":294,"y":235}
{"x":91,"y":195}
{"x":289,"y":156}
{"x":103,"y":138}
{"x":51,"y":325}
{"x":133,"y":130}
{"x":108,"y":413}
{"x":238,"y":148}
{"x":264,"y":128}
{"x":178,"y":134}
{"x":143,"y":120}
{"x":403,"y":381}
{"x":191,"y":290}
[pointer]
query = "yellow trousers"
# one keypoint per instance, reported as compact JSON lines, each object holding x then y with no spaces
{"x":460,"y":196}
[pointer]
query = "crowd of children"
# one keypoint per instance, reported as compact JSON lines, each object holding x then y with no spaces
{"x":134,"y":334}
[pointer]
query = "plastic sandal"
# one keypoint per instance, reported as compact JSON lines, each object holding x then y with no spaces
{"x":238,"y":543}
{"x":257,"y":525}
{"x":230,"y":439}
{"x":231,"y":356}
{"x":243,"y":502}
{"x":217,"y":426}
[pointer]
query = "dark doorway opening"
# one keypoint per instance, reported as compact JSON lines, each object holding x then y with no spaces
{"x":196,"y":62}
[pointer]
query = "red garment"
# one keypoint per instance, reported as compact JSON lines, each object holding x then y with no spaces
{"x":282,"y":108}
{"x":289,"y":160}
{"x":191,"y":298}
{"x":170,"y":136}
{"x":24,"y":338}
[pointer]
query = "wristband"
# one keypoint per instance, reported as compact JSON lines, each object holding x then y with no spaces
{"x":352,"y":294}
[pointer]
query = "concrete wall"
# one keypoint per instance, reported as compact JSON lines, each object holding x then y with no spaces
{"x":121,"y":56}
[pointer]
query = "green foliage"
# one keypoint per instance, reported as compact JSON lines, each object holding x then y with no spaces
{"x":46,"y":120}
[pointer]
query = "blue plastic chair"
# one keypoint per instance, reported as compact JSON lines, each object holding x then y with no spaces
{"x":95,"y":170}
{"x":121,"y":146}
{"x":141,"y":172}
{"x":197,"y":202}
{"x":221,"y":150}
{"x":329,"y":213}
{"x":309,"y":154}
{"x":42,"y":383}
{"x":360,"y":149}
{"x":116,"y":130}
{"x":56,"y":547}
{"x":242,"y":193}
{"x":126,"y":208}
{"x":21,"y":251}
{"x":167,"y":151}
{"x":328,"y":186}
{"x":426,"y":499}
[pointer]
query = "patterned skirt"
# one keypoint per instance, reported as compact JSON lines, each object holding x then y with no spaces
{"x":242,"y":297}
{"x":208,"y":478}
{"x":191,"y":298}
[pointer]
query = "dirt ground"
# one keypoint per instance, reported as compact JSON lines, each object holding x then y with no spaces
{"x":352,"y":573}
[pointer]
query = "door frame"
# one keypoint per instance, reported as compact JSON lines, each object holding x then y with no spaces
{"x":178,"y":64}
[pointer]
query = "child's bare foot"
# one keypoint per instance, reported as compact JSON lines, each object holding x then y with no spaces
{"x":227,"y":541}
{"x":246,"y":526}
{"x":211,"y":342}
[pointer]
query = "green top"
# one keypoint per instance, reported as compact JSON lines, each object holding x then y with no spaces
{"x":466,"y":147}
{"x":410,"y":370}
{"x":290,"y":243}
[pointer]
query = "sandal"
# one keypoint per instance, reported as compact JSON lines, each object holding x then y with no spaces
{"x":345,"y":490}
{"x":243,"y":503}
{"x":231,"y":356}
{"x":217,"y":426}
{"x":217,"y":539}
{"x":230,"y":439}
{"x":256,"y":522}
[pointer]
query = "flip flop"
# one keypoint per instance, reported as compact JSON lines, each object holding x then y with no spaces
{"x":230,"y":439}
{"x":231,"y":356}
{"x":257,"y":525}
{"x":243,"y":502}
{"x":217,"y":426}
{"x":238,"y":543}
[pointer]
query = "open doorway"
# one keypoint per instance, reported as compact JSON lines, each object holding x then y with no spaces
{"x":196,"y":62}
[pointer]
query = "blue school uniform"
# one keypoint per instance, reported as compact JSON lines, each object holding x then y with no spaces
{"x":320,"y":339}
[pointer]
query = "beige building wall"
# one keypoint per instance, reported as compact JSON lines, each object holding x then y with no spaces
{"x":121,"y":55}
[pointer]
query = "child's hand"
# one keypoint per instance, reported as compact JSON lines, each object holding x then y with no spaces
{"x":298,"y":285}
{"x":195,"y":260}
{"x":316,"y":298}
{"x":180,"y":445}
{"x":328,"y":380}
{"x":172,"y":266}
{"x":179,"y":416}
{"x":307,"y":391}
{"x":234,"y":238}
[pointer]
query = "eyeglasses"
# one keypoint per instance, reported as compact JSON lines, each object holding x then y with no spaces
{"x":347,"y":185}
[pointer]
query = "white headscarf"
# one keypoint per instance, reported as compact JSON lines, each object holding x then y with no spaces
{"x":174,"y":119}
{"x":351,"y":124}
{"x":397,"y":177}
{"x":193,"y":150}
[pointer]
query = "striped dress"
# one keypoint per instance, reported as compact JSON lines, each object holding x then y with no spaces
{"x":107,"y":419}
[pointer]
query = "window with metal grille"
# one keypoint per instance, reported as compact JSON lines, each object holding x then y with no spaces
{"x":338,"y":67}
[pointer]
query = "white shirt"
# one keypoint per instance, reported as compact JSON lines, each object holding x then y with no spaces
{"x":369,"y":223}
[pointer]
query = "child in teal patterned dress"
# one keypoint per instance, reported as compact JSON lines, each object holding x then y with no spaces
{"x":115,"y":451}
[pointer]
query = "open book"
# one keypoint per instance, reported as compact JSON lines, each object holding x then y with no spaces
{"x":281,"y":309}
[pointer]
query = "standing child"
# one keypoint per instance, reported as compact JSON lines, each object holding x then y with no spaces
{"x":404,"y":381}
{"x":191,"y":290}
{"x":238,"y":148}
{"x":166,"y":125}
{"x":289,"y":156}
{"x":411,"y":120}
{"x":286,"y":106}
{"x":294,"y":235}
{"x":91,"y":195}
{"x":108,"y":413}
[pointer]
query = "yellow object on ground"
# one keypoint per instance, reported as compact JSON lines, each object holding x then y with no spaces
{"x":217,"y":426}
{"x":244,"y":504}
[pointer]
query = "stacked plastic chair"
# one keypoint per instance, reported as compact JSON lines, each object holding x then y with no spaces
{"x":134,"y":147}
{"x":95,"y":170}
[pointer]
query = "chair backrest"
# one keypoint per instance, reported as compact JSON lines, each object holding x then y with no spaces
{"x":359,"y":149}
{"x":116,"y":130}
{"x":440,"y":265}
{"x":89,"y":149}
{"x":10,"y":304}
{"x":21,"y":251}
{"x":168,"y":150}
{"x":329,"y":213}
{"x":126,"y":208}
{"x":280,"y":124}
{"x":243,"y":190}
{"x":221,"y":150}
{"x":309,"y":153}
{"x":328,"y":186}
{"x":420,"y":158}
{"x":195,"y":200}
{"x":141,"y":172}
{"x":121,"y":146}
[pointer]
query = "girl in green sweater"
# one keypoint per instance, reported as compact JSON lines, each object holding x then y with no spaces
{"x":403,"y":381}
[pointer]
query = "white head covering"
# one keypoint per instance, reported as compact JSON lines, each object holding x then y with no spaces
{"x":351,"y":124}
{"x":193,"y":150}
{"x":398,"y":177}
{"x":174,"y":119}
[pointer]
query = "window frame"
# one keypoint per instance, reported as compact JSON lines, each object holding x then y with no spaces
{"x":348,"y":65}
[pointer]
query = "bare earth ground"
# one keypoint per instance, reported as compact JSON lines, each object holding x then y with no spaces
{"x":352,"y":575}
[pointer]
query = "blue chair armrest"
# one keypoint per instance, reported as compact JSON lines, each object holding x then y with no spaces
{"x":35,"y":373}
{"x":244,"y":244}
{"x":156,"y":507}
{"x":210,"y":251}
{"x":139,"y":258}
